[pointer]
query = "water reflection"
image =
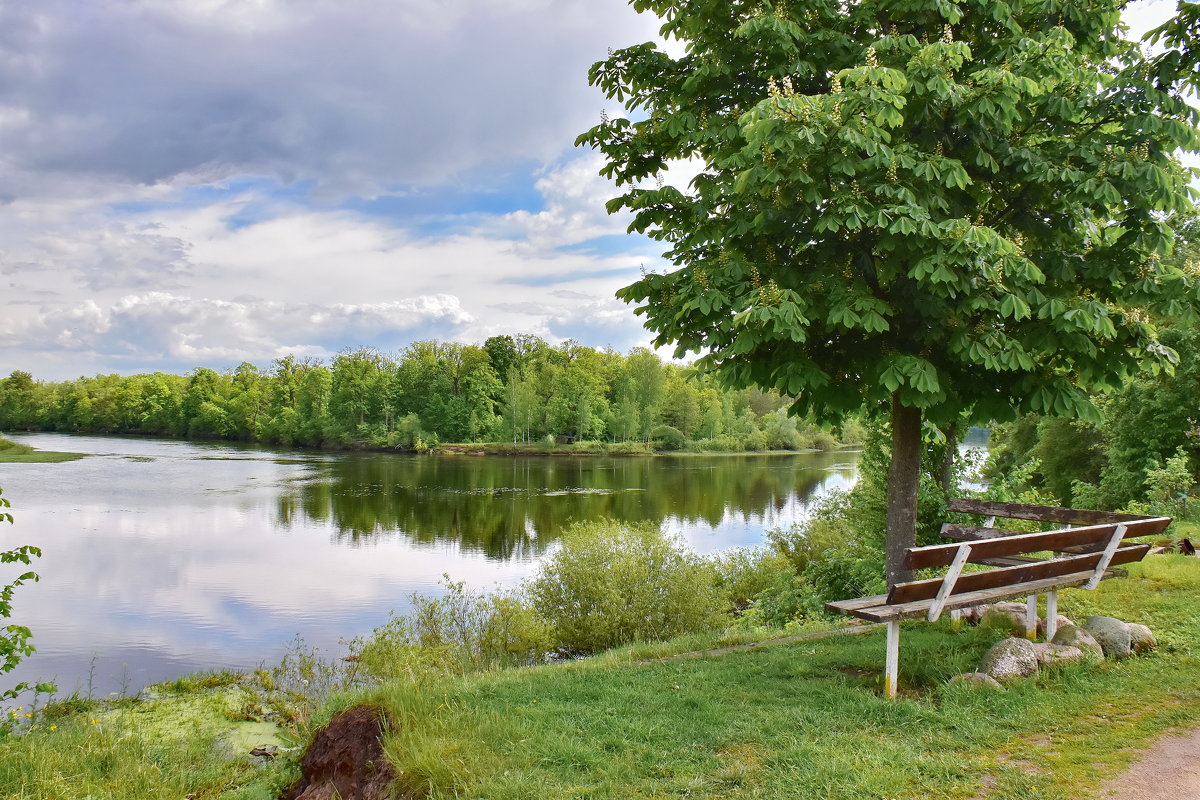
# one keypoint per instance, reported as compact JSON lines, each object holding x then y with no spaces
{"x":165,"y":557}
{"x":508,"y":508}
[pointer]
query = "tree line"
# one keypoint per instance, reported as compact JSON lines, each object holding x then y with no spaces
{"x":516,"y":389}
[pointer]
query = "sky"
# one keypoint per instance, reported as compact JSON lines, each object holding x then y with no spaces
{"x":193,"y":183}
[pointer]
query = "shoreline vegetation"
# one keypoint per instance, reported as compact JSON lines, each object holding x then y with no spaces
{"x":786,"y":718}
{"x":14,"y":453}
{"x":515,"y":394}
{"x":655,"y":690}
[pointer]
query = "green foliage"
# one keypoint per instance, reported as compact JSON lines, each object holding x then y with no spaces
{"x":744,"y":573}
{"x":831,"y":554}
{"x":14,"y":639}
{"x":612,"y":584}
{"x":432,"y":392}
{"x":1145,"y":423}
{"x":965,"y":209}
{"x":912,"y":206}
{"x":1168,"y":486}
{"x":667,"y":438}
{"x":458,"y":633}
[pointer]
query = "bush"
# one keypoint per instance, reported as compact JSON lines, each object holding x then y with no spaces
{"x":819,"y":440}
{"x":612,"y":584}
{"x":459,"y":632}
{"x":668,"y":438}
{"x":789,"y":597}
{"x":744,"y":573}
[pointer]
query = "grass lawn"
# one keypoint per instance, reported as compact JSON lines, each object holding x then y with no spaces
{"x":799,"y":720}
{"x":808,"y":720}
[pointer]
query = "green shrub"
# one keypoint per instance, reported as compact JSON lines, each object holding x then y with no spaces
{"x":743,"y":573}
{"x":755,"y":441}
{"x":826,"y":528}
{"x":1167,"y":486}
{"x":612,"y":583}
{"x":460,"y":632}
{"x":668,"y":438}
{"x":819,"y":440}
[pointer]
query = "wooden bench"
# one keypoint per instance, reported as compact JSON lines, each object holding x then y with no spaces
{"x":1081,"y":557}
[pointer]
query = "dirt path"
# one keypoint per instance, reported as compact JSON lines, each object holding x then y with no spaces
{"x":1169,"y":770}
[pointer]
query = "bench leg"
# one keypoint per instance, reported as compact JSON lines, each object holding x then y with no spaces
{"x":893,"y":659}
{"x":1031,"y":617}
{"x":955,"y":619}
{"x":1051,"y":614}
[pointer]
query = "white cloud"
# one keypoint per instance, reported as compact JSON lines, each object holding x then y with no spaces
{"x":176,"y":328}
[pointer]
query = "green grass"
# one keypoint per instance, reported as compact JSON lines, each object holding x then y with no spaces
{"x":807,"y":720}
{"x":13,"y":453}
{"x":798,"y":719}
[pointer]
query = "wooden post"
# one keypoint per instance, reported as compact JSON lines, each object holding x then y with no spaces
{"x":891,"y":677}
{"x":1051,"y":614}
{"x":1031,"y":617}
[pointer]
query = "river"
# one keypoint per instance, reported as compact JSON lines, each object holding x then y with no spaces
{"x":162,"y":558}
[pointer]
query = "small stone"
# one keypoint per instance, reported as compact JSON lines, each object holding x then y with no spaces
{"x":1111,"y":633}
{"x":1049,"y":654}
{"x":978,"y":679}
{"x":1141,"y":638}
{"x":1010,"y":659}
{"x":1073,"y":636}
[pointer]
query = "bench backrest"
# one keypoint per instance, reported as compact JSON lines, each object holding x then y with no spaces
{"x":1102,"y":541}
{"x":993,"y":509}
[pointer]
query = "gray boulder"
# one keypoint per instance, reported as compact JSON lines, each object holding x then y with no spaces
{"x":1049,"y":654}
{"x":1141,"y":638}
{"x":1073,"y":636}
{"x":1059,"y":622}
{"x":978,"y":679}
{"x":1009,"y":614}
{"x":1112,"y":634}
{"x":1010,"y":659}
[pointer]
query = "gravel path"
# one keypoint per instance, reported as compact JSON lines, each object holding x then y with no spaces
{"x":1169,"y":770}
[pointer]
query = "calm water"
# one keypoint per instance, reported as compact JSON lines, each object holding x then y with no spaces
{"x":162,"y":558}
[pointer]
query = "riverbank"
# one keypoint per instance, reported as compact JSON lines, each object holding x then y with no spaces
{"x":801,"y":719}
{"x":13,"y":453}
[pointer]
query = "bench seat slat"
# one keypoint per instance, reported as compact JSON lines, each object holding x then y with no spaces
{"x":1014,"y":575}
{"x":882,"y":612}
{"x":940,"y":555}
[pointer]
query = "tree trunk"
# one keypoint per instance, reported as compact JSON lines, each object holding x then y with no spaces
{"x":903,"y":478}
{"x":946,"y":479}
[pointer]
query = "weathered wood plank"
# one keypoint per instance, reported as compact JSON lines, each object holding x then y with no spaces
{"x":969,"y":533}
{"x":940,"y":555}
{"x":849,"y":606}
{"x":1066,"y":516}
{"x":1013,"y":576}
{"x":919,"y":608}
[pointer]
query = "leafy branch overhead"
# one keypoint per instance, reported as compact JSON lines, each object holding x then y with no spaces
{"x":969,"y":206}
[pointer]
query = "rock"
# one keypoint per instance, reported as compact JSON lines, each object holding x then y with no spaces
{"x":346,"y":760}
{"x":1009,"y":659}
{"x":1141,"y":638}
{"x":978,"y":679}
{"x":1072,"y":636}
{"x":1060,"y":622}
{"x":1049,"y":654}
{"x":1011,"y":615}
{"x":1112,"y":634}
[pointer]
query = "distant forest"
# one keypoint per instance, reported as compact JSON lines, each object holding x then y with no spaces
{"x":513,"y":389}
